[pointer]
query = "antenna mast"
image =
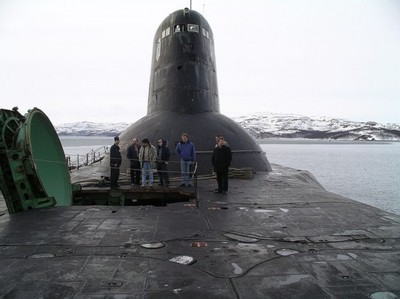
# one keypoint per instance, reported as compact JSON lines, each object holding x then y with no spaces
{"x":190,"y":4}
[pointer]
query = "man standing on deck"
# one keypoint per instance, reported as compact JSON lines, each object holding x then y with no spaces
{"x":115,"y":162}
{"x":221,"y":160}
{"x":147,"y":159}
{"x":187,"y":153}
{"x":133,"y":156}
{"x":163,"y":156}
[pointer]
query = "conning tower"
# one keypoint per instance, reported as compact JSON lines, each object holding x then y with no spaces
{"x":183,"y":95}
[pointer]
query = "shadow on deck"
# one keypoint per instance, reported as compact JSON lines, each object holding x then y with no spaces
{"x":127,"y":195}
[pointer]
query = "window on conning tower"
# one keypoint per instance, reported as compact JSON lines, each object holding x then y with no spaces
{"x":193,"y":28}
{"x":205,"y":32}
{"x":165,"y":32}
{"x":179,"y":28}
{"x":186,"y":27}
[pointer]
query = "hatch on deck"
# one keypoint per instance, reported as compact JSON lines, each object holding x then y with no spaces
{"x":33,"y":169}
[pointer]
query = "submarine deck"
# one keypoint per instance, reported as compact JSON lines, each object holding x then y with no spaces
{"x":278,"y":235}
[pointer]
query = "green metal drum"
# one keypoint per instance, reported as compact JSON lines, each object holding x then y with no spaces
{"x":33,"y":170}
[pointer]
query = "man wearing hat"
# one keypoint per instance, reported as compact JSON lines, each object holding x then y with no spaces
{"x":115,"y":162}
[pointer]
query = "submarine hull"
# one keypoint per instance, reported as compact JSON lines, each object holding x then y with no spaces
{"x":202,"y":128}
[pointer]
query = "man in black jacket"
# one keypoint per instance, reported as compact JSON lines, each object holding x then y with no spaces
{"x":221,"y":160}
{"x":115,"y":162}
{"x":133,"y":156}
{"x":163,"y":156}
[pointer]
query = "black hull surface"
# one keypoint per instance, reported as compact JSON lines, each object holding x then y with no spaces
{"x":202,"y":128}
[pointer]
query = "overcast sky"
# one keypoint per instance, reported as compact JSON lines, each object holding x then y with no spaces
{"x":89,"y":60}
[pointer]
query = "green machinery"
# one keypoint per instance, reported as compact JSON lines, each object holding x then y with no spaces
{"x":33,"y":170}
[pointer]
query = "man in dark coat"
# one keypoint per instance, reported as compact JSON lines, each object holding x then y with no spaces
{"x":115,"y":162}
{"x":221,"y":160}
{"x":163,"y":156}
{"x":133,"y":155}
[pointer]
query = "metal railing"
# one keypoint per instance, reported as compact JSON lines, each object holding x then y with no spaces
{"x":94,"y":156}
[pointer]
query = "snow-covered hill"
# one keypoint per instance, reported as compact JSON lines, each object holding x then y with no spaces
{"x":269,"y":125}
{"x":91,"y":129}
{"x":272,"y":125}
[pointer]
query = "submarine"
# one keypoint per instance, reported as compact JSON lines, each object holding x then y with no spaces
{"x":279,"y":234}
{"x":183,"y":96}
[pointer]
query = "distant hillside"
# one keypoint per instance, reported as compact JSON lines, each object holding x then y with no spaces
{"x":268,"y":125}
{"x":91,"y":129}
{"x":271,"y":125}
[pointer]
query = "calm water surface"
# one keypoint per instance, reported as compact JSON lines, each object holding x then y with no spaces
{"x":77,"y":145}
{"x":368,"y":172}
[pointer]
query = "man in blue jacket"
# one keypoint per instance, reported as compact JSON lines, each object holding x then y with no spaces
{"x":187,"y":153}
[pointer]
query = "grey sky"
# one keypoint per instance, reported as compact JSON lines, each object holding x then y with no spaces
{"x":88,"y":60}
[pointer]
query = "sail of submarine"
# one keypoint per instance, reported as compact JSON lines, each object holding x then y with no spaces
{"x":183,"y":96}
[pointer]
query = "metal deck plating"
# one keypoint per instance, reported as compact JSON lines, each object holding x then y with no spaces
{"x":279,"y":235}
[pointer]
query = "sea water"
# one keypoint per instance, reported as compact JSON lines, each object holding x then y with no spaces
{"x":368,"y":172}
{"x":81,"y":145}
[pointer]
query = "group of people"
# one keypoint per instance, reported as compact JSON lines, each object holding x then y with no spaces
{"x":145,"y":157}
